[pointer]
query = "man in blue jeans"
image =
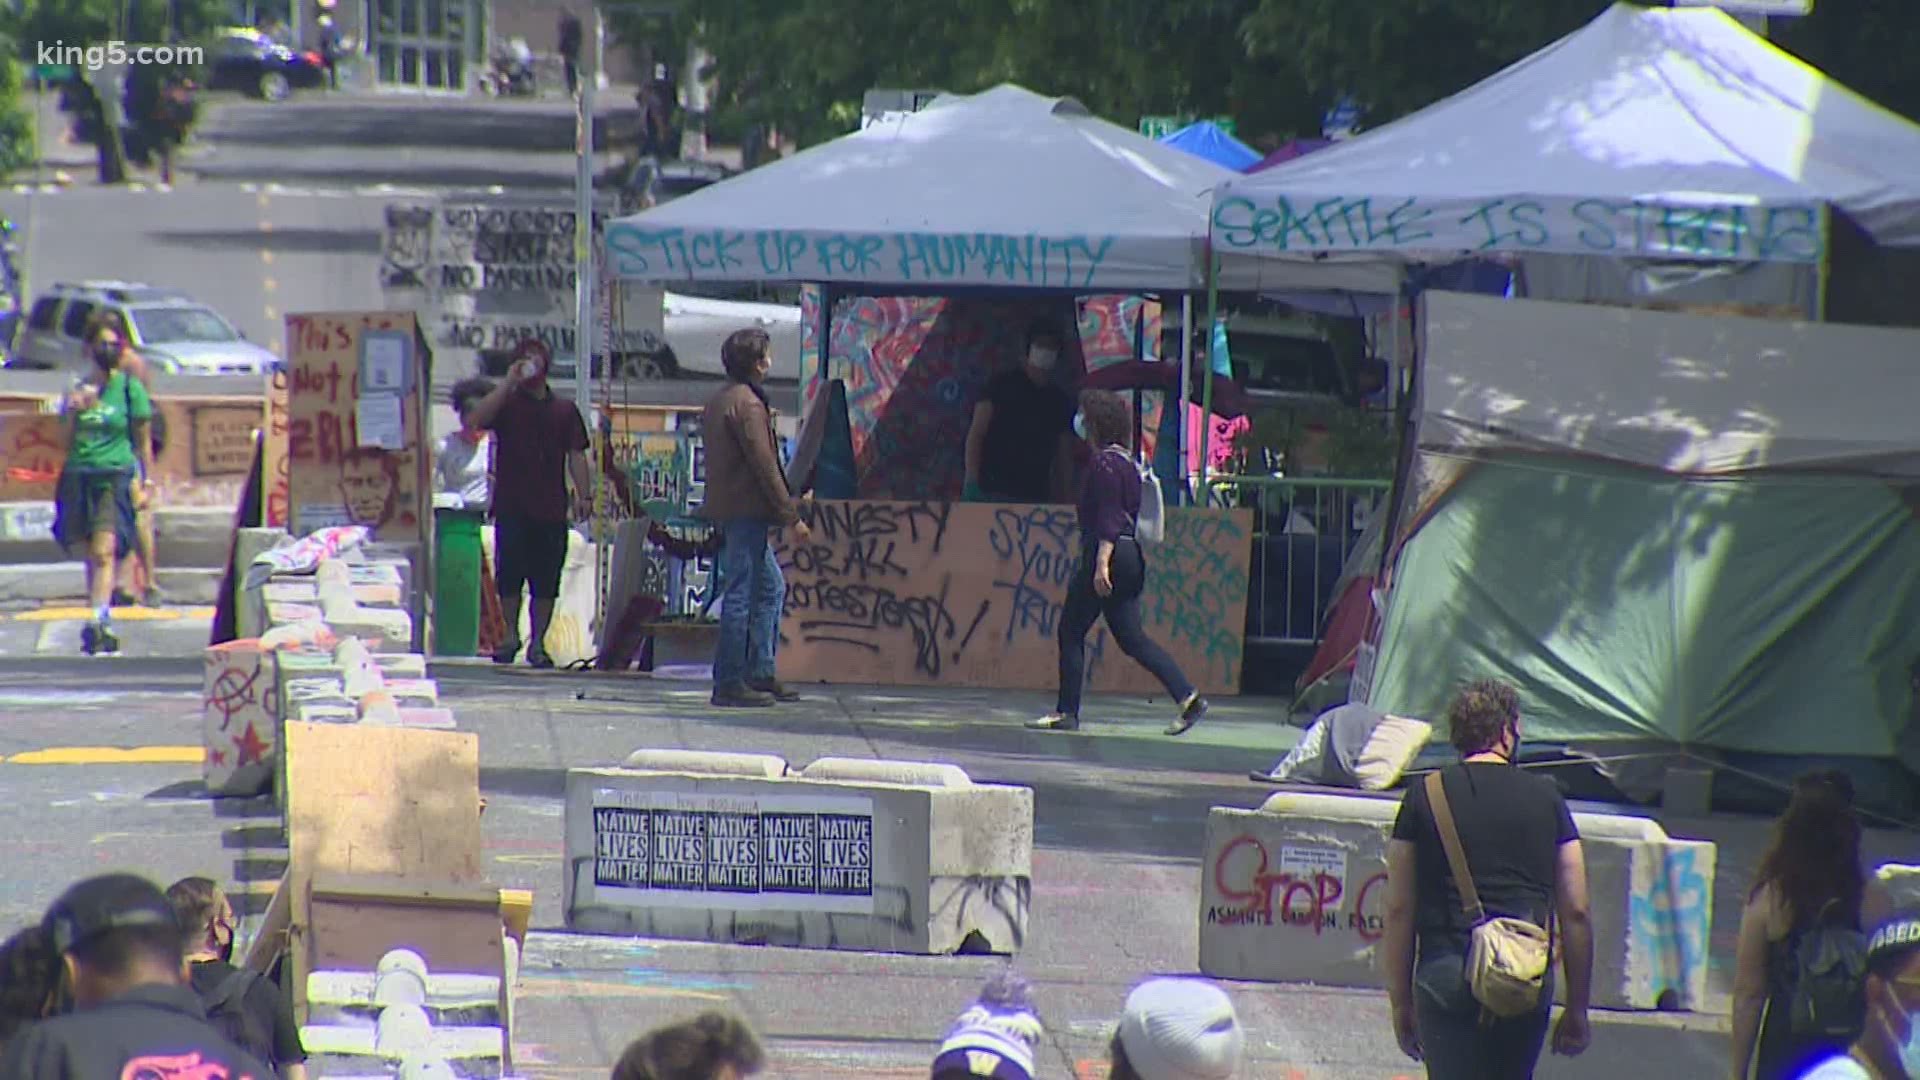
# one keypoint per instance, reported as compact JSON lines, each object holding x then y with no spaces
{"x":748,"y":500}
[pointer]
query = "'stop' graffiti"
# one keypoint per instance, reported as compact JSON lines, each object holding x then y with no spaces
{"x":973,"y":258}
{"x":1723,"y":231}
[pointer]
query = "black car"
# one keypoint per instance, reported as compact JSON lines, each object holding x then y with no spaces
{"x":253,"y":63}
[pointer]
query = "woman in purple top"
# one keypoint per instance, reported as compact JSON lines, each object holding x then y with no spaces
{"x":1112,"y":571}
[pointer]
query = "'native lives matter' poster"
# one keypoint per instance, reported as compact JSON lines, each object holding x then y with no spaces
{"x":779,"y":852}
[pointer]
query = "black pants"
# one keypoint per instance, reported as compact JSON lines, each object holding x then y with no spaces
{"x":1456,"y":1045}
{"x":529,"y":554}
{"x":1121,"y":608}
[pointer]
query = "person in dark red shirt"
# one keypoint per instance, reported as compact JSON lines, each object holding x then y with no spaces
{"x":539,"y":441}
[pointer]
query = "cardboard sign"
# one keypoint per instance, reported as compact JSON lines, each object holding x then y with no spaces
{"x":333,"y":479}
{"x":971,"y":594}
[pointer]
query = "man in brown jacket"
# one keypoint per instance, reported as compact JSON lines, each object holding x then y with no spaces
{"x":747,"y":498}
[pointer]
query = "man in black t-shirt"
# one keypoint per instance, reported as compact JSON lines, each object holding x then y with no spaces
{"x":121,"y":950}
{"x":245,"y":1006}
{"x":1020,"y":444}
{"x":1523,"y":853}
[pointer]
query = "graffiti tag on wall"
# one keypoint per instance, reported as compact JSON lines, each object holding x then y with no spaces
{"x":970,"y":594}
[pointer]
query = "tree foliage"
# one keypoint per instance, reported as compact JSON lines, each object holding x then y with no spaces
{"x":1274,"y":65}
{"x":84,"y":23}
{"x":17,"y":150}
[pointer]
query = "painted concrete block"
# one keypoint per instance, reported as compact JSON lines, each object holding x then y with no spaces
{"x":290,"y":590}
{"x":709,"y":763}
{"x":1295,"y":891}
{"x":239,"y":718}
{"x":434,"y":719}
{"x":838,"y":864}
{"x":285,"y":613}
{"x":413,"y":693}
{"x":401,"y":665}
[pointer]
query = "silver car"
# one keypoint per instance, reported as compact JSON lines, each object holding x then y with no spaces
{"x":175,"y":334}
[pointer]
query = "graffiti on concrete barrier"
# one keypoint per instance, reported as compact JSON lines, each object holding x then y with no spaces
{"x":1306,"y":887}
{"x":966,"y":594}
{"x":1670,"y":912}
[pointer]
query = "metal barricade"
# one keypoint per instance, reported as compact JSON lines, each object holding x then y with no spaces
{"x":1305,"y":529}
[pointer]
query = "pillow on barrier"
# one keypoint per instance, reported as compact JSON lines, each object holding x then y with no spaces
{"x":1392,"y":745}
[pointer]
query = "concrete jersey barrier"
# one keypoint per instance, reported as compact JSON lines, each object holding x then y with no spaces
{"x":906,"y":858}
{"x":1295,"y":891}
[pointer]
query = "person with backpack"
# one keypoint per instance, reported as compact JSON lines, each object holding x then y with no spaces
{"x":1800,"y":966}
{"x":105,"y":475}
{"x":241,"y":1004}
{"x":119,"y":947}
{"x":1484,"y":858}
{"x":1112,"y":570}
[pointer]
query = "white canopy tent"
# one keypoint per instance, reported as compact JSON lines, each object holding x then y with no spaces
{"x":1671,"y":134}
{"x":1002,"y":189}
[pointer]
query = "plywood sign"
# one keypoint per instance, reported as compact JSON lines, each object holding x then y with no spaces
{"x":970,"y":594}
{"x":208,"y":451}
{"x":356,"y":452}
{"x":273,"y":454}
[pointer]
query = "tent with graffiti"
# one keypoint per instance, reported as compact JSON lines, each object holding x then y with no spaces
{"x":1002,"y":189}
{"x":933,"y":239}
{"x":1676,"y":533}
{"x":1649,"y":139}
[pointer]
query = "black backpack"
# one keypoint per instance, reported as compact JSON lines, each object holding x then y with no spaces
{"x":226,"y":1006}
{"x":1826,"y":982}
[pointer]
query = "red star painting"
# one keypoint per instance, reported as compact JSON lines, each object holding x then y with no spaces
{"x":249,"y":747}
{"x":217,"y":757}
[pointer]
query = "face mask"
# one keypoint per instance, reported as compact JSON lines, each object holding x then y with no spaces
{"x":106,"y":354}
{"x":1080,"y":424}
{"x":1042,"y":358}
{"x":1910,"y":1051}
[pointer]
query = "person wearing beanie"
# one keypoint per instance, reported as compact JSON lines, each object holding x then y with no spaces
{"x":996,"y":1037}
{"x":1177,"y":1029}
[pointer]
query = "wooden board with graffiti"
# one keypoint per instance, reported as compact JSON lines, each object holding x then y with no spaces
{"x":970,"y":594}
{"x":208,"y":451}
{"x":274,"y":467}
{"x":332,"y":479}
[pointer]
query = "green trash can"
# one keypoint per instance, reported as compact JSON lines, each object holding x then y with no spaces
{"x":456,"y":585}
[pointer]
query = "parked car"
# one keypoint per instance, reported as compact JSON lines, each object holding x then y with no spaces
{"x":174,"y":333}
{"x":693,"y":328}
{"x":253,"y":63}
{"x":1280,"y":362}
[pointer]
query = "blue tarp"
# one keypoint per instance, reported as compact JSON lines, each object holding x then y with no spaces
{"x":1206,"y":139}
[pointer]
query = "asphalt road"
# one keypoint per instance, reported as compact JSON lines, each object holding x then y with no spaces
{"x":1120,"y":810}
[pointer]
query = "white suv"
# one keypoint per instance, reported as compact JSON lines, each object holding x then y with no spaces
{"x":172,"y":332}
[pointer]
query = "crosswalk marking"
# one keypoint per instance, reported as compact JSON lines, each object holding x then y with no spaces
{"x":110,"y":755}
{"x":124,"y":614}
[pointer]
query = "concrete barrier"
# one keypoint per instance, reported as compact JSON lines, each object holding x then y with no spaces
{"x":374,"y":1022}
{"x":1295,"y":891}
{"x":709,"y":763}
{"x":906,"y":857}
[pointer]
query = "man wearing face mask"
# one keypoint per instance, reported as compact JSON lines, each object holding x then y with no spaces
{"x":1020,"y":445}
{"x":241,"y":1004}
{"x":539,"y":442}
{"x":1889,"y":1046}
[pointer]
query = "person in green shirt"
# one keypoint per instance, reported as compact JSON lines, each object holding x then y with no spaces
{"x":108,"y":452}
